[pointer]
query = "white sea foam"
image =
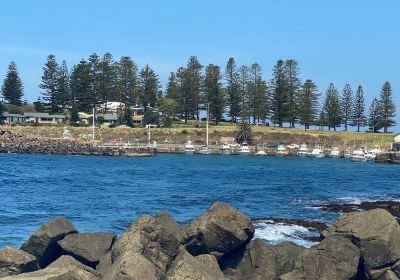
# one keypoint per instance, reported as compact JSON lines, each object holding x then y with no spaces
{"x":275,"y":233}
{"x":359,"y":199}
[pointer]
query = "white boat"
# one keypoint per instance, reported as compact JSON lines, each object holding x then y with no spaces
{"x":206,"y":150}
{"x":358,"y":155}
{"x":317,"y":152}
{"x":371,"y":154}
{"x":189,"y":148}
{"x":244,"y":149}
{"x":226,"y":150}
{"x":303,"y":150}
{"x":335,"y":152}
{"x":281,"y":150}
{"x":292,"y":146}
{"x":261,"y":153}
{"x":348,"y":153}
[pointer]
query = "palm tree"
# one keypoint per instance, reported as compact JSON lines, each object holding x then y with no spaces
{"x":244,"y":134}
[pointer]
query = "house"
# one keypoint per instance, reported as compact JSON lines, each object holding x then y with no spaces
{"x":9,"y":118}
{"x":109,"y":119}
{"x":396,"y":143}
{"x":42,"y":118}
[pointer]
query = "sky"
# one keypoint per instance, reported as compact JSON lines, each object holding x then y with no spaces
{"x":338,"y":41}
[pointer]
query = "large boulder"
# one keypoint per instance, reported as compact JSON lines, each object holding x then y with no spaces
{"x":261,"y":261}
{"x":150,"y":237}
{"x":221,"y":230}
{"x":376,"y":232}
{"x":64,"y":268}
{"x":14,"y":261}
{"x":187,"y":267}
{"x":43,"y":243}
{"x":335,"y":258}
{"x":88,"y":248}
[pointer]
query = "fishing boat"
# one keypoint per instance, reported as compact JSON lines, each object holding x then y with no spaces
{"x":226,"y":149}
{"x":281,"y":150}
{"x":261,"y":153}
{"x":371,"y":154}
{"x":317,"y":152}
{"x":348,"y":153}
{"x":189,"y":148}
{"x":206,"y":150}
{"x":303,"y":150}
{"x":335,"y":152}
{"x":244,"y":149}
{"x":358,"y":155}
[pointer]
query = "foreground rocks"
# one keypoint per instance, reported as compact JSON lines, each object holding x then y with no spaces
{"x":218,"y":245}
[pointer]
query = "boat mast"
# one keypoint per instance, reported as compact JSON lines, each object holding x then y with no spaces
{"x":208,"y":108}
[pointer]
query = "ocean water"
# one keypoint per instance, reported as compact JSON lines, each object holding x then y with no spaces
{"x":108,"y":193}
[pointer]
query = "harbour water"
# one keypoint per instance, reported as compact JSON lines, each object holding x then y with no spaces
{"x":108,"y":193}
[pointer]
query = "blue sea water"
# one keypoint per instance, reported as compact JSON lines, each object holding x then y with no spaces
{"x":108,"y":193}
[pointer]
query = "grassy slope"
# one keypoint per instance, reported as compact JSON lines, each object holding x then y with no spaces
{"x":217,"y":135}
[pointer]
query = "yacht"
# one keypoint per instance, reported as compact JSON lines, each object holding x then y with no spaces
{"x":244,"y":149}
{"x":348,"y":153}
{"x":281,"y":150}
{"x":226,"y":149}
{"x":303,"y":150}
{"x":335,"y":152}
{"x":317,"y":152}
{"x":371,"y":154}
{"x":358,"y":155}
{"x":261,"y":153}
{"x":189,"y":148}
{"x":206,"y":150}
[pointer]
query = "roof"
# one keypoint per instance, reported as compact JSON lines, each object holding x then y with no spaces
{"x":7,"y":114}
{"x":43,"y":115}
{"x":110,"y":117}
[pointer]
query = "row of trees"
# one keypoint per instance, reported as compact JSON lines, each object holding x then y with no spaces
{"x":239,"y":92}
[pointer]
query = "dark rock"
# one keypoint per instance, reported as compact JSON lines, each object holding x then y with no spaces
{"x":335,"y":258}
{"x":64,"y":268}
{"x":43,"y":243}
{"x":14,"y":261}
{"x":261,"y":261}
{"x":221,"y":230}
{"x":88,"y":248}
{"x":377,"y":234}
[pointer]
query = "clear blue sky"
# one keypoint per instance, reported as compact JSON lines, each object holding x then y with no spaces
{"x":334,"y":41}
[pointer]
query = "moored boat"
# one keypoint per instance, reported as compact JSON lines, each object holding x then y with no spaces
{"x":317,"y":152}
{"x":189,"y":148}
{"x":281,"y":150}
{"x":303,"y":150}
{"x":335,"y":152}
{"x":226,"y":149}
{"x":358,"y":155}
{"x":261,"y":153}
{"x":244,"y":149}
{"x":371,"y":154}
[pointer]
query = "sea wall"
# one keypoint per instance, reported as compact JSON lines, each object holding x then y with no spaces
{"x":217,"y":245}
{"x":15,"y":143}
{"x":388,"y":157}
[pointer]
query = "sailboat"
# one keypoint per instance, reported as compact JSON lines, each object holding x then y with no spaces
{"x":206,"y":150}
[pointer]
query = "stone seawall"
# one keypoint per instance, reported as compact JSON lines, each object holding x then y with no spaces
{"x":14,"y":143}
{"x":388,"y":157}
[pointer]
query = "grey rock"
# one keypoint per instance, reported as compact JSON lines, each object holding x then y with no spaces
{"x":88,"y":248}
{"x":43,"y":243}
{"x":221,"y":230}
{"x":14,"y":261}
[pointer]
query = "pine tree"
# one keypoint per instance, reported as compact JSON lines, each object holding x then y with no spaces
{"x":358,"y":114}
{"x":193,"y":83}
{"x":80,"y":83}
{"x":375,"y":116}
{"x":213,"y":92}
{"x":168,"y":108}
{"x":49,"y":83}
{"x":244,"y":92}
{"x":257,"y":88}
{"x":107,"y":90}
{"x":12,"y":89}
{"x":331,"y":107}
{"x":149,"y":87}
{"x":308,"y":104}
{"x":346,"y":104}
{"x":62,"y":86}
{"x":232,"y":90}
{"x":279,"y":97}
{"x":173,"y":89}
{"x":1,"y":112}
{"x":74,"y":115}
{"x":388,"y":108}
{"x":94,"y":78}
{"x":38,"y":105}
{"x":293,"y":89}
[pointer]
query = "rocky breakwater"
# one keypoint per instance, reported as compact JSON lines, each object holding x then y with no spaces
{"x":388,"y":157}
{"x":15,"y":143}
{"x":218,"y":245}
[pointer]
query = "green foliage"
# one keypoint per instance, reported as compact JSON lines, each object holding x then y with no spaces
{"x":257,"y":88}
{"x":151,"y":117}
{"x":279,"y":94}
{"x":214,"y":93}
{"x":38,"y":105}
{"x":358,"y":115}
{"x":107,"y":77}
{"x":293,"y":90}
{"x":80,"y":86}
{"x":127,"y":82}
{"x":331,"y":108}
{"x":12,"y":88}
{"x":375,"y":116}
{"x":308,"y":104}
{"x":244,"y":134}
{"x":149,"y":86}
{"x":388,"y":108}
{"x":74,"y":115}
{"x":168,"y":108}
{"x":346,"y":104}
{"x":232,"y":90}
{"x":49,"y":83}
{"x":1,"y":112}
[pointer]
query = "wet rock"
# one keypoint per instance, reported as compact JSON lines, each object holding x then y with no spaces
{"x":150,"y":237}
{"x":187,"y":267}
{"x":64,"y":268}
{"x":14,"y":261}
{"x":377,"y":234}
{"x":219,"y":231}
{"x":88,"y":248}
{"x":335,"y":258}
{"x":43,"y":243}
{"x":261,"y":261}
